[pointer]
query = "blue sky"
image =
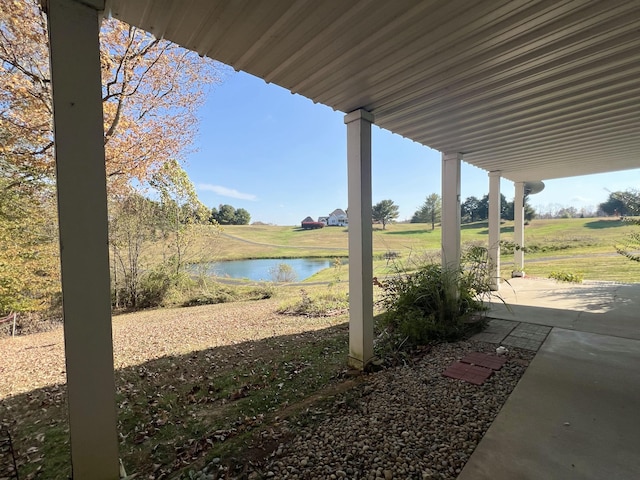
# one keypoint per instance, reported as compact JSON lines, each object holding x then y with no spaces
{"x":282,"y":157}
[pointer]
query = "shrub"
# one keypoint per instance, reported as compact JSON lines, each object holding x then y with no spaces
{"x":262,"y":291}
{"x":210,"y":293}
{"x":149,"y":291}
{"x":566,"y":277}
{"x":325,"y":304}
{"x":436,"y":304}
{"x":153,"y":289}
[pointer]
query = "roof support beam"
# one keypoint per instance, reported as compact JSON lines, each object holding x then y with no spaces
{"x":360,"y":238}
{"x":451,"y":210}
{"x":494,"y":230}
{"x":82,"y":209}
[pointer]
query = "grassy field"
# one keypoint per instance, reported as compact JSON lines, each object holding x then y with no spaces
{"x":581,"y":246}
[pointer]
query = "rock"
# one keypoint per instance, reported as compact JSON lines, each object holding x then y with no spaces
{"x":407,"y":422}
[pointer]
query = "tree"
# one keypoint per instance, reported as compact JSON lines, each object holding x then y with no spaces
{"x":151,"y":92}
{"x":568,"y":212}
{"x":29,"y":263}
{"x":385,"y":212}
{"x":622,"y":203}
{"x":133,"y":220}
{"x":150,"y":96}
{"x":631,"y":200}
{"x":469,"y":209}
{"x":226,"y":215}
{"x":430,"y":211}
{"x":614,"y":205}
{"x":178,"y":199}
{"x":241,"y":217}
{"x":529,"y":212}
{"x":213,"y":216}
{"x":482,"y":213}
{"x":474,"y":209}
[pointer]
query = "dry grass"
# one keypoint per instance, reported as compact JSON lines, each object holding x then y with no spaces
{"x":183,"y":376}
{"x":38,"y":360}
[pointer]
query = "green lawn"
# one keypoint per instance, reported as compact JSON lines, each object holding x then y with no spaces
{"x":585,"y":246}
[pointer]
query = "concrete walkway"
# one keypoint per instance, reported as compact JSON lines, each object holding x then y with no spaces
{"x":576,"y":412}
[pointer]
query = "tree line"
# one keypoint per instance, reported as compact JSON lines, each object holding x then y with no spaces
{"x":227,"y":215}
{"x":471,"y":210}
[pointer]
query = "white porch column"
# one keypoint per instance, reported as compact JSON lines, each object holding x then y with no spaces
{"x":494,"y":230}
{"x":451,"y":210}
{"x":518,"y":229}
{"x":360,"y":238}
{"x":82,"y":211}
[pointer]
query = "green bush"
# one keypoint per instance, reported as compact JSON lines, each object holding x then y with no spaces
{"x":262,"y":291}
{"x":435,"y":304}
{"x":320,"y":305}
{"x":153,"y":289}
{"x":206,"y":292}
{"x":149,"y":291}
{"x":566,"y":277}
{"x":210,"y":298}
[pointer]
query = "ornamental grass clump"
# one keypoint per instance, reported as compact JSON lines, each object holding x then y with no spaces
{"x":435,"y":304}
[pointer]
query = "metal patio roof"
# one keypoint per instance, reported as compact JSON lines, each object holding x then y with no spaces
{"x":537,"y":89}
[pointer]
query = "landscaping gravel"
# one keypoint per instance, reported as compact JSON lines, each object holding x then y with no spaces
{"x":404,"y":422}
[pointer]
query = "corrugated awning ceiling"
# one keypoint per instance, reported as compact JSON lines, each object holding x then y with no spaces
{"x":535,"y":89}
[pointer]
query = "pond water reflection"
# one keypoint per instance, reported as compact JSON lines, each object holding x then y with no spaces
{"x":261,"y":269}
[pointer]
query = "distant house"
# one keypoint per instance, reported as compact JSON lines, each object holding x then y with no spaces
{"x":309,"y":223}
{"x":337,"y":218}
{"x":324,"y":220}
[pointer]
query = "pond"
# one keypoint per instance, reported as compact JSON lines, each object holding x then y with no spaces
{"x":262,"y":269}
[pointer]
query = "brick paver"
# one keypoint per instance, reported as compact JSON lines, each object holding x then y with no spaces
{"x":485,"y":360}
{"x":468,"y":373}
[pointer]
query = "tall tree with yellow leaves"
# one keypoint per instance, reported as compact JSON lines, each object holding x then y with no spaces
{"x":152,"y":90}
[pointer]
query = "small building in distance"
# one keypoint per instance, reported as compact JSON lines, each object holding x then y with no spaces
{"x":309,"y":223}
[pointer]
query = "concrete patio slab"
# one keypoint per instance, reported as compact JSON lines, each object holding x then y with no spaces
{"x":496,"y":331}
{"x":605,"y":308}
{"x":574,"y":415}
{"x":513,"y":334}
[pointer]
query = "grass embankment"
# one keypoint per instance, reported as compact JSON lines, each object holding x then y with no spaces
{"x":582,"y":246}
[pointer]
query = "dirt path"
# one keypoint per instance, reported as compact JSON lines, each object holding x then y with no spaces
{"x":273,"y":245}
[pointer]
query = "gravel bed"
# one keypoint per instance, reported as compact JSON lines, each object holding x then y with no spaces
{"x":405,"y":422}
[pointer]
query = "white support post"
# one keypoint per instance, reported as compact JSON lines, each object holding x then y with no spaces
{"x":82,"y":209}
{"x":360,"y":238}
{"x":451,"y":210}
{"x":494,"y":230}
{"x":518,"y":230}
